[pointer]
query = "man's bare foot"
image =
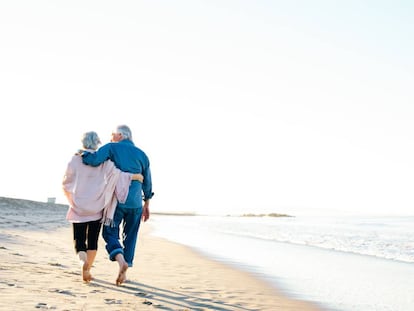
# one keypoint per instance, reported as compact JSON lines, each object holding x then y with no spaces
{"x":122,"y":273}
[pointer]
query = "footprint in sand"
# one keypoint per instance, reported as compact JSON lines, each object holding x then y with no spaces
{"x":141,"y":294}
{"x":113,"y":301}
{"x":42,"y":305}
{"x":161,"y":307}
{"x":96,"y":291}
{"x":17,"y":254}
{"x":62,"y":291}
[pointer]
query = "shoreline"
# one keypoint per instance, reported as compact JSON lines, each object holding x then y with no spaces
{"x":237,"y":289}
{"x":39,"y":269}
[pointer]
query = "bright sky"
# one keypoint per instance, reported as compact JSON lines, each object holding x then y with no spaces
{"x":242,"y":106}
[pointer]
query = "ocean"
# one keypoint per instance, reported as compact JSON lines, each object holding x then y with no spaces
{"x":342,"y":263}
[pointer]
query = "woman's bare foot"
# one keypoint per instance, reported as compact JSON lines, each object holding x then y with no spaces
{"x":82,"y":257}
{"x":86,"y":275}
{"x":122,"y":273}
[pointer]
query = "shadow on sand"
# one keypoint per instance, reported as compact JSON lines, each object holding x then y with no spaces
{"x":157,"y":297}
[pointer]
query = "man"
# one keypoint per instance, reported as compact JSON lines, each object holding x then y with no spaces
{"x":128,"y":158}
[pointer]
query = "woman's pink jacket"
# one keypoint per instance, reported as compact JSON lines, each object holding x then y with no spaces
{"x":93,"y":192}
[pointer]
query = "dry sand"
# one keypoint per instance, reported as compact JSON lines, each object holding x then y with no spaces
{"x":39,"y":270}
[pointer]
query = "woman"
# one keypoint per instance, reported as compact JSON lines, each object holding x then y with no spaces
{"x":92,"y":193}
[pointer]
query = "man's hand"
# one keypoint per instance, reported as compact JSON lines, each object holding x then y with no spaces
{"x":145,"y":211}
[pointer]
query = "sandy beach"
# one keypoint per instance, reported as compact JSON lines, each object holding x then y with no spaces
{"x":39,"y":270}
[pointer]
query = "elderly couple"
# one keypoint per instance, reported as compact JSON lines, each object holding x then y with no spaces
{"x":107,"y":186}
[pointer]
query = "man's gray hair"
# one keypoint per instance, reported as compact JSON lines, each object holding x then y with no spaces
{"x":125,"y":131}
{"x":90,"y":140}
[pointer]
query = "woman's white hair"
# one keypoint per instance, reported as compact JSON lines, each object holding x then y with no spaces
{"x":90,"y":140}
